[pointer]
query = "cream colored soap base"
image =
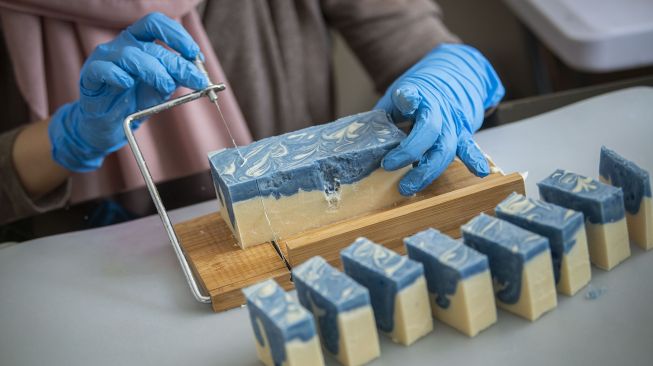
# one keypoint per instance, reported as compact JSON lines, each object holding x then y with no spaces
{"x":575,"y":271}
{"x":537,"y":295}
{"x":471,"y":308}
{"x":640,"y":225}
{"x":359,"y":340}
{"x":298,"y":353}
{"x":306,"y":210}
{"x":608,"y":243}
{"x":412,"y":313}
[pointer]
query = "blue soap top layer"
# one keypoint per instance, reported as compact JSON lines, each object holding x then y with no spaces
{"x":560,"y":225}
{"x":508,"y":248}
{"x":383,"y":272}
{"x":446,"y":262}
{"x":633,"y":180}
{"x":335,"y":286}
{"x":327,"y":292}
{"x":314,"y":158}
{"x":448,"y":252}
{"x":283,"y":318}
{"x":384,"y":261}
{"x":511,"y":237}
{"x":555,"y":222}
{"x":600,"y":203}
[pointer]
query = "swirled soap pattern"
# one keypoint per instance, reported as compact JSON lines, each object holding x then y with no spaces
{"x":520,"y":263}
{"x":342,"y":310}
{"x":636,"y":185}
{"x":293,"y":179}
{"x":284,"y":331}
{"x":565,"y":229}
{"x":603,"y":208}
{"x":458,"y":280}
{"x":397,"y":289}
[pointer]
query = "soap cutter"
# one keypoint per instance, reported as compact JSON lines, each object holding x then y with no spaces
{"x":210,"y":92}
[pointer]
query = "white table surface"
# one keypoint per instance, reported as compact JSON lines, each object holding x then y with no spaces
{"x":116,"y":295}
{"x":592,"y":35}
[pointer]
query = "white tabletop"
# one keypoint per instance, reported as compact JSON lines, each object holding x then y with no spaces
{"x":592,"y":35}
{"x":116,"y":295}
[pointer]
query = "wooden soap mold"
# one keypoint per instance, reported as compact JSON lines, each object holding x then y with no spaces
{"x":223,"y":269}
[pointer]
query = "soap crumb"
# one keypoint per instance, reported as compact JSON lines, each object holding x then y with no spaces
{"x":332,"y":195}
{"x":594,"y":293}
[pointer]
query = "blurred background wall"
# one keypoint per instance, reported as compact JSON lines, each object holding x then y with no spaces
{"x":490,"y":26}
{"x":487,"y":25}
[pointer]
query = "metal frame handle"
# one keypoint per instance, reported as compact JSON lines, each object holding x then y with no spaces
{"x":163,"y":214}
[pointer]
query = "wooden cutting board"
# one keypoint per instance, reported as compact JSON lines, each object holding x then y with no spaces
{"x":223,"y":269}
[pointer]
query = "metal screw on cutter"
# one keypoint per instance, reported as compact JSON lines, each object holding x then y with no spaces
{"x":213,"y":96}
{"x":210,"y":92}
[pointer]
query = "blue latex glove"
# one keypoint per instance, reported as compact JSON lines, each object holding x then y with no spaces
{"x":120,"y":77}
{"x":446,"y":95}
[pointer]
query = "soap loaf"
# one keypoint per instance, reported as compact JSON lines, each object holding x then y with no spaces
{"x":565,"y":230}
{"x":284,"y":330}
{"x":458,"y":280}
{"x":397,"y":289}
{"x":342,"y":310}
{"x":636,"y":185}
{"x":603,"y":208}
{"x":307,"y":178}
{"x":520,"y":263}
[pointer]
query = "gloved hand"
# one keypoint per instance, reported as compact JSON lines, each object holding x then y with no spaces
{"x":120,"y":77}
{"x":446,"y":95}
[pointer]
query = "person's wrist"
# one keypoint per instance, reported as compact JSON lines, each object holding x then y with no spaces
{"x":69,"y":149}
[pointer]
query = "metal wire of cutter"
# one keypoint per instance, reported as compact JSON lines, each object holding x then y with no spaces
{"x":210,"y":92}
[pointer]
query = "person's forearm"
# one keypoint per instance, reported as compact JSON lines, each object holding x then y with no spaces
{"x":32,"y":160}
{"x":388,"y":36}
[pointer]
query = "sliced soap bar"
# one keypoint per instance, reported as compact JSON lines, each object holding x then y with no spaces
{"x":284,"y":330}
{"x":603,"y":207}
{"x":397,"y":289}
{"x":520,"y":263}
{"x":636,"y":185}
{"x":565,"y":230}
{"x":342,"y":310}
{"x":458,"y":280}
{"x":308,"y":178}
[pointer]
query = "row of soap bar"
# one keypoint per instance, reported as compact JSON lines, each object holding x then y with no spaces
{"x":440,"y":276}
{"x":398,"y":294}
{"x":616,"y":209}
{"x":518,"y":258}
{"x":378,"y":289}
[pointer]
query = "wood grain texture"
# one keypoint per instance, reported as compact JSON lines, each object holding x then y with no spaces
{"x":223,"y":269}
{"x":445,"y":212}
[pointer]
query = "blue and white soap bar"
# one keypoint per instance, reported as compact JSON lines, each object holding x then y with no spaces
{"x":565,"y":230}
{"x":458,"y":280}
{"x":307,"y":178}
{"x":284,"y":330}
{"x":603,"y":207}
{"x":636,"y":185}
{"x":342,"y":311}
{"x":397,"y":289}
{"x":520,"y":262}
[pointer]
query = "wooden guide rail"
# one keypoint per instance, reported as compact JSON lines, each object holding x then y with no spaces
{"x":223,"y":269}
